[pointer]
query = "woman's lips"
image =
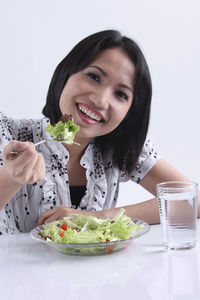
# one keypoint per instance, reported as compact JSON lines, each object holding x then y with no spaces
{"x":88,"y":114}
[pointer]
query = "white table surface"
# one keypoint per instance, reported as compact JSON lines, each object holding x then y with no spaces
{"x":32,"y":270}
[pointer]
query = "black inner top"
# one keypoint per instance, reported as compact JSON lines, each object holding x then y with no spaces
{"x":77,"y":193}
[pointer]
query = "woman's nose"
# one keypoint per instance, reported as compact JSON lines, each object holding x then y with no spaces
{"x":101,"y":98}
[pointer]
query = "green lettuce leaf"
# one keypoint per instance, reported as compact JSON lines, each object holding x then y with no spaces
{"x":63,"y":131}
{"x":89,"y":229}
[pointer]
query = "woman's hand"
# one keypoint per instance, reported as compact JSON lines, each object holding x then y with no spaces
{"x":57,"y":213}
{"x":62,"y":211}
{"x":27,"y":166}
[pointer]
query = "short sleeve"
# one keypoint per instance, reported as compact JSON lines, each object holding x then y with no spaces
{"x":147,"y":159}
{"x":14,"y":129}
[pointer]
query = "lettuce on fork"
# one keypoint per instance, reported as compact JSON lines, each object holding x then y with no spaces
{"x":78,"y":228}
{"x":64,"y":130}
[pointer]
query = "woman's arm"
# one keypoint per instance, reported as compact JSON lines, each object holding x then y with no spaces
{"x":26,"y":167}
{"x":147,"y":210}
{"x":161,"y":172}
{"x":8,"y":188}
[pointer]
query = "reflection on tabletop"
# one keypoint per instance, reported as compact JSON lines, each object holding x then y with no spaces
{"x":180,"y":278}
{"x":143,"y":270}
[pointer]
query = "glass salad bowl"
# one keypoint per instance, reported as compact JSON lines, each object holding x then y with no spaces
{"x":91,"y":248}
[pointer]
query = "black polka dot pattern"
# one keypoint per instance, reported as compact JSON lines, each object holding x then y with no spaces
{"x":23,"y":211}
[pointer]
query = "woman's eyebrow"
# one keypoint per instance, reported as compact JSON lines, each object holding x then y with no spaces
{"x":100,"y":69}
{"x":105,"y":74}
{"x":126,"y":87}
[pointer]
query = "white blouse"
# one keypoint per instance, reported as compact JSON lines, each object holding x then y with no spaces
{"x":23,"y":211}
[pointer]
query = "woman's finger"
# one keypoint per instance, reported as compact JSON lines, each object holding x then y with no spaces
{"x":40,"y":167}
{"x":54,"y":217}
{"x":27,"y":171}
{"x":15,"y":146}
{"x":37,"y":170}
{"x":19,"y":163}
{"x":44,"y":216}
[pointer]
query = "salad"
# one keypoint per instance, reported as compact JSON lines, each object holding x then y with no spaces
{"x":81,"y":229}
{"x":64,"y":130}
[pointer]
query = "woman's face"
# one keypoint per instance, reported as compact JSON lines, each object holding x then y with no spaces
{"x":99,"y":96}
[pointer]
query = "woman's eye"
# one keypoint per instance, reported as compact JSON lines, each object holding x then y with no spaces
{"x":122,"y":95}
{"x":93,"y":76}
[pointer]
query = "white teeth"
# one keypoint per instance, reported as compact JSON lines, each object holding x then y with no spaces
{"x":89,"y":113}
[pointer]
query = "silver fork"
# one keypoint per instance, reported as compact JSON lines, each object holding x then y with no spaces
{"x":41,"y":142}
{"x":36,"y":144}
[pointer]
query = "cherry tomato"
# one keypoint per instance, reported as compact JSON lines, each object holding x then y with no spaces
{"x":64,"y":226}
{"x":62,"y":233}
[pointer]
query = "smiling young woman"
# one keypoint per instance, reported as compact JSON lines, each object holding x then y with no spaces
{"x":105,"y":84}
{"x":99,"y":96}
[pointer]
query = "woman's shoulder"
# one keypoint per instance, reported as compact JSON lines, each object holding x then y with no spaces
{"x":6,"y":127}
{"x":146,"y":160}
{"x":3,"y":119}
{"x":7,"y":121}
{"x":19,"y":129}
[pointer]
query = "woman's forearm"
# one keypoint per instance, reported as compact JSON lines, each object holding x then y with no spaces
{"x":8,"y":188}
{"x":147,"y":211}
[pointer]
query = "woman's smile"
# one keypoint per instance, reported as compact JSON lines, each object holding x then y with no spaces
{"x":88,"y":114}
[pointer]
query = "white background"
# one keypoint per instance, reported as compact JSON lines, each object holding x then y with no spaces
{"x":35,"y":35}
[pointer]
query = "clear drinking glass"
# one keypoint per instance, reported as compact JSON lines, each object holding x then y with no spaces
{"x":177,"y":202}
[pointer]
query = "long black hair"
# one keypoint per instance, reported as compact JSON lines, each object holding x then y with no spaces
{"x":127,"y":139}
